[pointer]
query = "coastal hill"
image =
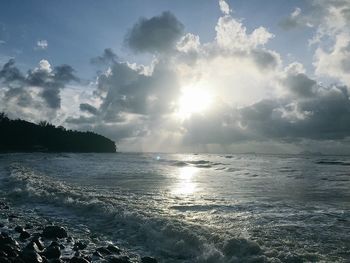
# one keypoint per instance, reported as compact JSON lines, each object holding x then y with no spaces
{"x":23,"y":136}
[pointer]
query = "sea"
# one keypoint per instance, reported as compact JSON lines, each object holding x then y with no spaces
{"x":192,"y":207}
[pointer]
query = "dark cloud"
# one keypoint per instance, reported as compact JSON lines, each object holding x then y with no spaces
{"x":128,"y":90}
{"x":108,"y":57}
{"x":88,"y":108}
{"x":300,"y":84}
{"x":323,"y":116}
{"x":10,"y":74}
{"x":156,"y":34}
{"x":265,"y":59}
{"x":50,"y":82}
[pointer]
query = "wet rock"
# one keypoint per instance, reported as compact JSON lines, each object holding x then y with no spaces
{"x":28,"y":226}
{"x":103,"y":251}
{"x":1,"y":225}
{"x":10,"y":250}
{"x":33,"y":246}
{"x":148,"y":260}
{"x":119,"y":259}
{"x":19,"y":229}
{"x":31,"y":256}
{"x":52,"y":252}
{"x":54,"y":232}
{"x":24,"y":235}
{"x":38,"y":242}
{"x":12,"y":216}
{"x":97,"y":254}
{"x":114,"y":249}
{"x":79,"y":246}
{"x":78,"y":260}
{"x":4,"y":260}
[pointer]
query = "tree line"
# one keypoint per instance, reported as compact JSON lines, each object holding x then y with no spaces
{"x":23,"y":136}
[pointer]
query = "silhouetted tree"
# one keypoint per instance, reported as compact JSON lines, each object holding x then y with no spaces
{"x":20,"y":135}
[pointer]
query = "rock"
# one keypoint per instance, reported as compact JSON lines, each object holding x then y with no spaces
{"x":114,"y":249}
{"x":52,"y":252}
{"x":54,"y":232}
{"x":12,"y":216}
{"x":78,"y":260}
{"x":1,"y":225}
{"x":28,"y":226}
{"x":119,"y":259}
{"x":31,"y":256}
{"x":10,"y":250}
{"x":24,"y":235}
{"x":97,"y":254}
{"x":4,"y":260}
{"x":33,"y":246}
{"x":38,"y":242}
{"x":148,"y":260}
{"x":103,"y":251}
{"x":79,"y":246}
{"x":19,"y":229}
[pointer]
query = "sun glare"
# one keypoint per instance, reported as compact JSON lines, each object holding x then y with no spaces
{"x":192,"y":101}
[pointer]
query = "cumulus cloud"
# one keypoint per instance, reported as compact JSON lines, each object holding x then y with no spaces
{"x":156,"y":34}
{"x":27,"y":93}
{"x":107,"y":57}
{"x":42,"y":44}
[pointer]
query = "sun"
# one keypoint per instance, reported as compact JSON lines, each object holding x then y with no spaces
{"x":193,"y":101}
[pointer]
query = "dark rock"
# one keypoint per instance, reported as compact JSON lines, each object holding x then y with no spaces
{"x":78,"y":260}
{"x":28,"y":226}
{"x":38,"y":242}
{"x":54,"y":232}
{"x":97,"y":254}
{"x":103,"y":251}
{"x":70,"y":239}
{"x":24,"y":235}
{"x":31,"y":256}
{"x":10,"y":250}
{"x":52,"y":252}
{"x":119,"y":259}
{"x":148,"y":260}
{"x":79,"y":246}
{"x":12,"y":216}
{"x":19,"y":229}
{"x":4,"y":260}
{"x":33,"y":246}
{"x":1,"y":225}
{"x":114,"y":249}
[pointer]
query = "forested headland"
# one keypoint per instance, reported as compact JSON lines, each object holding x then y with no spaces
{"x":23,"y":136}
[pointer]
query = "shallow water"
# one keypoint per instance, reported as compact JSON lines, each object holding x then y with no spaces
{"x":193,"y":208}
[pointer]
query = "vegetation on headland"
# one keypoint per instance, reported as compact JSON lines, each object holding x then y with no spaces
{"x":23,"y":136}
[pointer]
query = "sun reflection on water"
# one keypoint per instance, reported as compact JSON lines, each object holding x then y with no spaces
{"x":186,"y":185}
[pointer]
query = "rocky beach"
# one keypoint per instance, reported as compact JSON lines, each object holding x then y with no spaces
{"x":27,"y":238}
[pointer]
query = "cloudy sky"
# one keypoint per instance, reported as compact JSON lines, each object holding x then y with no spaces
{"x":195,"y":76}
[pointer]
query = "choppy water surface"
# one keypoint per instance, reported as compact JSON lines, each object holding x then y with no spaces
{"x":194,"y":208}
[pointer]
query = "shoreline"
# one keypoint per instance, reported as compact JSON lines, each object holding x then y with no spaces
{"x":25,"y":240}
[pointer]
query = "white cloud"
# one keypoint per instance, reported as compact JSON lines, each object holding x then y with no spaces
{"x":224,"y":7}
{"x":42,"y":44}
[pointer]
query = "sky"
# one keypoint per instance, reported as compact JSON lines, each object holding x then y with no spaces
{"x":183,"y":76}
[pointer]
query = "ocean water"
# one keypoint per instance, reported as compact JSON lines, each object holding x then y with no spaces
{"x":193,"y":207}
